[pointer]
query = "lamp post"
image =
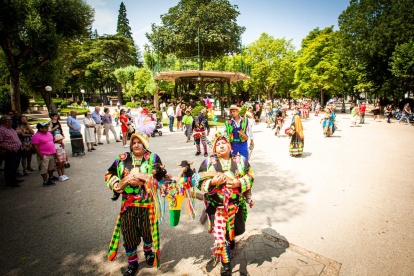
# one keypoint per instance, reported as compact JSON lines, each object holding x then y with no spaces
{"x":83,"y":95}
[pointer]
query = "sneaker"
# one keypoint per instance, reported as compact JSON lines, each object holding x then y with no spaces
{"x":48,"y":183}
{"x":67,"y":177}
{"x":62,"y":178}
{"x":131,"y":270}
{"x":197,"y":153}
{"x":53,"y":178}
{"x":125,"y":146}
{"x":149,"y":257}
{"x":100,"y":143}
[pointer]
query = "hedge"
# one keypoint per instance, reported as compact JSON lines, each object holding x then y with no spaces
{"x":80,"y":111}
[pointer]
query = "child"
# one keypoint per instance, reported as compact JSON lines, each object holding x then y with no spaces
{"x":61,"y":157}
{"x":116,"y":117}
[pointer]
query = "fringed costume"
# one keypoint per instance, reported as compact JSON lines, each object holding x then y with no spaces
{"x":328,"y":125}
{"x":200,"y":127}
{"x":297,"y":138}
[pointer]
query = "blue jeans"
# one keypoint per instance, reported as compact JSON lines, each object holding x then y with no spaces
{"x":241,"y":148}
{"x":171,"y":122}
{"x":406,"y":116}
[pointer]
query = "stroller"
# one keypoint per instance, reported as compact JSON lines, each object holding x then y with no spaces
{"x":157,"y":126}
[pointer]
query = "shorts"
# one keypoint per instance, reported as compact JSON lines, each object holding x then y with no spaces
{"x":179,"y":118}
{"x":47,"y":164}
{"x":27,"y":153}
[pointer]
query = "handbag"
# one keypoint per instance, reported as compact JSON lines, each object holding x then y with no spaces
{"x":287,"y":131}
{"x":104,"y":132}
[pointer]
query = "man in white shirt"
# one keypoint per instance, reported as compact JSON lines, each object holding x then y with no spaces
{"x":171,"y":114}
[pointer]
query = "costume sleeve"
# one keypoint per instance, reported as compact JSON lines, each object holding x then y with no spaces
{"x":158,"y":160}
{"x":204,"y":185}
{"x":111,"y":176}
{"x":247,"y":180}
{"x":207,"y":126}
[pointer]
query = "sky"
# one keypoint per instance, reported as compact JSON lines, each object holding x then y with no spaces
{"x":291,"y":19}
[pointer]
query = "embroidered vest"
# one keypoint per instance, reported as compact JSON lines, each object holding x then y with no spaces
{"x":233,"y":132}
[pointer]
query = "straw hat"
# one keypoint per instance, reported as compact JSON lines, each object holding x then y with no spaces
{"x":233,"y":106}
{"x":58,"y":137}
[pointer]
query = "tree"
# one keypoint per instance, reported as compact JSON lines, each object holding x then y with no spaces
{"x":318,"y":65}
{"x":370,"y":31}
{"x":402,"y":65}
{"x":31,"y":32}
{"x":214,"y":20}
{"x":273,"y":63}
{"x":126,"y":76}
{"x":111,"y":52}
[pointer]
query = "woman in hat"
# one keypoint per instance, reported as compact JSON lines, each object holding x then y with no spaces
{"x":136,"y":220}
{"x":297,"y":137}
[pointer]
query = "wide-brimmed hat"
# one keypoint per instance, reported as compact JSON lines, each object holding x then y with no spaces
{"x":58,"y":137}
{"x":233,"y":106}
{"x":143,"y":137}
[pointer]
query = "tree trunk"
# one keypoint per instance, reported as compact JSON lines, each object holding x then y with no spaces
{"x":119,"y":90}
{"x":269,"y":94}
{"x":156,"y":97}
{"x":322,"y":97}
{"x":15,"y":91}
{"x":48,"y":101}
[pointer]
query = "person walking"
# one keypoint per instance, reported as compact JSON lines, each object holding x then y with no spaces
{"x":354,"y":116}
{"x":406,"y":113}
{"x":27,"y":150}
{"x":377,"y":111}
{"x":96,"y":116}
{"x":118,"y":105}
{"x":362,"y":109}
{"x":239,"y":131}
{"x":89,"y":131}
{"x":124,"y":126}
{"x":107,"y":121}
{"x":11,"y":151}
{"x":388,"y":112}
{"x":61,"y":157}
{"x":170,"y":114}
{"x":44,"y":146}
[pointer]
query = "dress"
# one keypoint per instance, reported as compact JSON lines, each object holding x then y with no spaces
{"x":89,"y":131}
{"x":298,"y":139}
{"x":328,"y":125}
{"x":136,"y":219}
{"x":123,"y":127}
{"x":26,"y":142}
{"x":60,"y":153}
{"x":226,"y":208}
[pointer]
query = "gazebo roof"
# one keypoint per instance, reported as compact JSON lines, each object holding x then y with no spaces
{"x":207,"y":75}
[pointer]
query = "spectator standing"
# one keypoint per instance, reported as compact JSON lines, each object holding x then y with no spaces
{"x":27,"y":150}
{"x":354,"y":116}
{"x":110,"y":102}
{"x":54,"y":125}
{"x":73,"y":124}
{"x":107,"y":120}
{"x":96,"y":116}
{"x":188,"y":122}
{"x":178,"y":113}
{"x":44,"y":146}
{"x":377,"y":110}
{"x":11,"y":149}
{"x":116,"y":117}
{"x":118,"y":105}
{"x":89,"y":131}
{"x":170,"y":114}
{"x":61,"y":157}
{"x":406,"y":113}
{"x":362,"y":109}
{"x":129,"y":113}
{"x":124,"y":127}
{"x":388,"y":112}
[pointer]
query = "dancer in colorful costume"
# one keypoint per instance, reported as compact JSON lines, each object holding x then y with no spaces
{"x":145,"y":122}
{"x":200,"y":127}
{"x":225,"y":205}
{"x":137,"y":218}
{"x":328,"y":123}
{"x":239,"y":130}
{"x":298,"y":139}
{"x":317,"y":109}
{"x":269,"y":113}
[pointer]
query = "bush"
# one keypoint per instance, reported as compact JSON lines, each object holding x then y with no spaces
{"x":75,"y":105}
{"x":130,"y":104}
{"x":197,"y":111}
{"x":80,"y":111}
{"x":159,"y":115}
{"x":64,"y":104}
{"x":98,"y":101}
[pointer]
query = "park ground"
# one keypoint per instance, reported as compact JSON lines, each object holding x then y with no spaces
{"x":349,"y":198}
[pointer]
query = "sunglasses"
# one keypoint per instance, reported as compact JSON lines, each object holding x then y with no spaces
{"x":8,"y":120}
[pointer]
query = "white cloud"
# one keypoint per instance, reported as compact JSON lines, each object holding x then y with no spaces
{"x":105,"y":17}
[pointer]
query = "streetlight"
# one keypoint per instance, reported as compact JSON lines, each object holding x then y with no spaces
{"x":83,"y":95}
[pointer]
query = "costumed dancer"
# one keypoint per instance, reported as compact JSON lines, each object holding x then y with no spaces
{"x":268,"y":111}
{"x":145,"y":123}
{"x":225,"y":205}
{"x":328,"y":123}
{"x":279,"y":122}
{"x":200,"y":127}
{"x":137,"y":219}
{"x":239,"y":130}
{"x":188,"y":123}
{"x":297,"y":138}
{"x":317,"y":109}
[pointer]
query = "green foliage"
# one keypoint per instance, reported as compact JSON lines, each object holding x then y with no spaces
{"x":98,"y":101}
{"x":216,"y":21}
{"x":196,"y":110}
{"x":74,"y":105}
{"x":130,"y":104}
{"x":80,"y":111}
{"x":318,"y":67}
{"x":122,"y":27}
{"x":5,"y":100}
{"x":402,"y":64}
{"x":64,"y":104}
{"x":242,"y":111}
{"x":126,"y":76}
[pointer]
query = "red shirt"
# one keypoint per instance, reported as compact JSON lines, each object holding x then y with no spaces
{"x":362,"y":109}
{"x":9,"y":138}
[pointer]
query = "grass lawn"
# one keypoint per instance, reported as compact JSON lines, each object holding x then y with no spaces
{"x":36,"y":121}
{"x":80,"y":111}
{"x":220,"y":122}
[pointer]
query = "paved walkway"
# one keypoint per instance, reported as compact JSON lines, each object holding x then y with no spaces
{"x":349,"y":198}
